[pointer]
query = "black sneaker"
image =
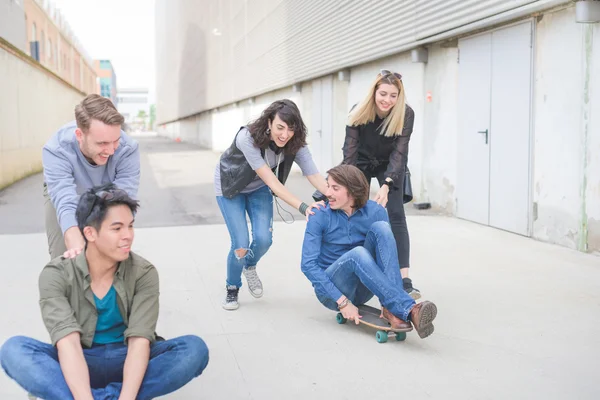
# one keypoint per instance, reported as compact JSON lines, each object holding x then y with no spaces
{"x":231,"y":299}
{"x":408,"y":288}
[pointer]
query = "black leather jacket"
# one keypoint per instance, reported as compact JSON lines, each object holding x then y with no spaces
{"x":236,"y":173}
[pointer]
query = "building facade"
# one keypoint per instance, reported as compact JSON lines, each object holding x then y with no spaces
{"x":507,"y":107}
{"x":134,"y":105}
{"x":50,"y":41}
{"x":107,"y":80}
{"x":12,"y":23}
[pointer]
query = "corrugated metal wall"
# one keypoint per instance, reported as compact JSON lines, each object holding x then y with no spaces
{"x":215,"y":52}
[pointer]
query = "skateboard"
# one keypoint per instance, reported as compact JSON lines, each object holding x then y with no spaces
{"x":370,"y":317}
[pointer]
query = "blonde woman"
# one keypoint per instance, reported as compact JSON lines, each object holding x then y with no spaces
{"x":377,"y":137}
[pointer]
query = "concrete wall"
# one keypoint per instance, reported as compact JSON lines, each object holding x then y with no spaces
{"x":432,"y":148}
{"x":12,"y":23}
{"x":361,"y":79}
{"x":592,"y":133}
{"x":567,"y":132}
{"x":216,"y":129}
{"x":566,"y":125}
{"x":34,"y":103}
{"x":212,"y":53}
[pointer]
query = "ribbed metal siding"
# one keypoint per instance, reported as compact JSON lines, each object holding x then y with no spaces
{"x":267,"y":44}
{"x":437,"y":16}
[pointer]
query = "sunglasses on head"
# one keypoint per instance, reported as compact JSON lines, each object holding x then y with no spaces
{"x":90,"y":201}
{"x":385,"y":72}
{"x":111,"y":194}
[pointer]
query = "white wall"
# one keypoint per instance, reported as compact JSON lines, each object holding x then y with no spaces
{"x":361,"y":79}
{"x":12,"y":24}
{"x":33,"y":105}
{"x":432,"y":149}
{"x":565,"y":188}
{"x":593,"y":145}
{"x":211,"y":53}
{"x":566,"y":125}
{"x":216,"y":129}
{"x":441,"y":129}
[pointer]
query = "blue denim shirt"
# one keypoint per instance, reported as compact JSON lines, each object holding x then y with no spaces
{"x":329,"y":235}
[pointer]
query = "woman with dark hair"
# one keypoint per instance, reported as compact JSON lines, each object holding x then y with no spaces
{"x":377,"y":136}
{"x":252,"y":171}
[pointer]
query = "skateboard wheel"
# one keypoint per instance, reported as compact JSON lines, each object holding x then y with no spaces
{"x":381,"y":336}
{"x":340,"y":318}
{"x":400,"y":336}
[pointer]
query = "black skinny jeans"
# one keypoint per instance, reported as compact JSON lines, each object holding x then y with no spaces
{"x":395,"y":208}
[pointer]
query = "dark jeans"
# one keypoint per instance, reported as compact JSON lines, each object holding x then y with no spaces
{"x":34,"y":366}
{"x":395,"y":208}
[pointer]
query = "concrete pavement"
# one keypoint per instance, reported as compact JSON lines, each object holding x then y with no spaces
{"x":517,"y":318}
{"x":176,"y":189}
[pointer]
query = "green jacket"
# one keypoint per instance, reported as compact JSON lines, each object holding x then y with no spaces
{"x":67,"y":301}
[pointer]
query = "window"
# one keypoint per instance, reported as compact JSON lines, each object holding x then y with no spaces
{"x":49,"y":48}
{"x":42,"y":45}
{"x":33,"y":32}
{"x":105,"y":87}
{"x":105,"y":64}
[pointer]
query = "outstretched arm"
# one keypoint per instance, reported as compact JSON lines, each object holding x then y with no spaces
{"x":269,"y":178}
{"x":318,"y":182}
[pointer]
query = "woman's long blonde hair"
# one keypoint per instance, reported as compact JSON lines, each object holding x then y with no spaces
{"x":366,"y":111}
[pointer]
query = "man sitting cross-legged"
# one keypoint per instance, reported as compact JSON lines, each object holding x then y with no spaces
{"x":349,"y":255}
{"x":101,"y":309}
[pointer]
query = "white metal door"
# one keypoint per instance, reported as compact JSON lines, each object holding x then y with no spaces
{"x":322,"y":125}
{"x":510,"y":128}
{"x":473,"y":164}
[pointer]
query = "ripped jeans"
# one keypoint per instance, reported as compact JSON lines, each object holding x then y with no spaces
{"x":259,"y":206}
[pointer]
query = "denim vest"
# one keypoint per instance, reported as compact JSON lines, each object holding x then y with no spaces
{"x":236,"y":173}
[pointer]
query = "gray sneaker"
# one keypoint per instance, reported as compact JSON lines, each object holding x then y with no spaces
{"x":231,"y":299}
{"x":410,"y":289}
{"x":254,"y":284}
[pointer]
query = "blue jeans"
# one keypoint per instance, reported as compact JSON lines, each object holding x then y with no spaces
{"x":259,"y":206}
{"x":371,"y":269}
{"x":34,"y":366}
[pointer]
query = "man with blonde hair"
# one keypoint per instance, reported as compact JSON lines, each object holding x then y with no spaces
{"x":90,"y":151}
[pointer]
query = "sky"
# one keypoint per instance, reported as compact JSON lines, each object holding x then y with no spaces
{"x":119,"y":30}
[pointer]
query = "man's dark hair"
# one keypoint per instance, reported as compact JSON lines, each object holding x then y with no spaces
{"x":354,"y":181}
{"x":288,"y":112}
{"x":94,"y":204}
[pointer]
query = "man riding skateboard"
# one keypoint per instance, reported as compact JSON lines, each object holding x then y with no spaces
{"x":349,"y":255}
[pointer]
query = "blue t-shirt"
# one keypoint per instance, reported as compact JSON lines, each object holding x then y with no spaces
{"x":110,"y":326}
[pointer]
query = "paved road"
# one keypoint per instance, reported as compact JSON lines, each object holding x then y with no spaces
{"x":176,"y":189}
{"x":518,"y":319}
